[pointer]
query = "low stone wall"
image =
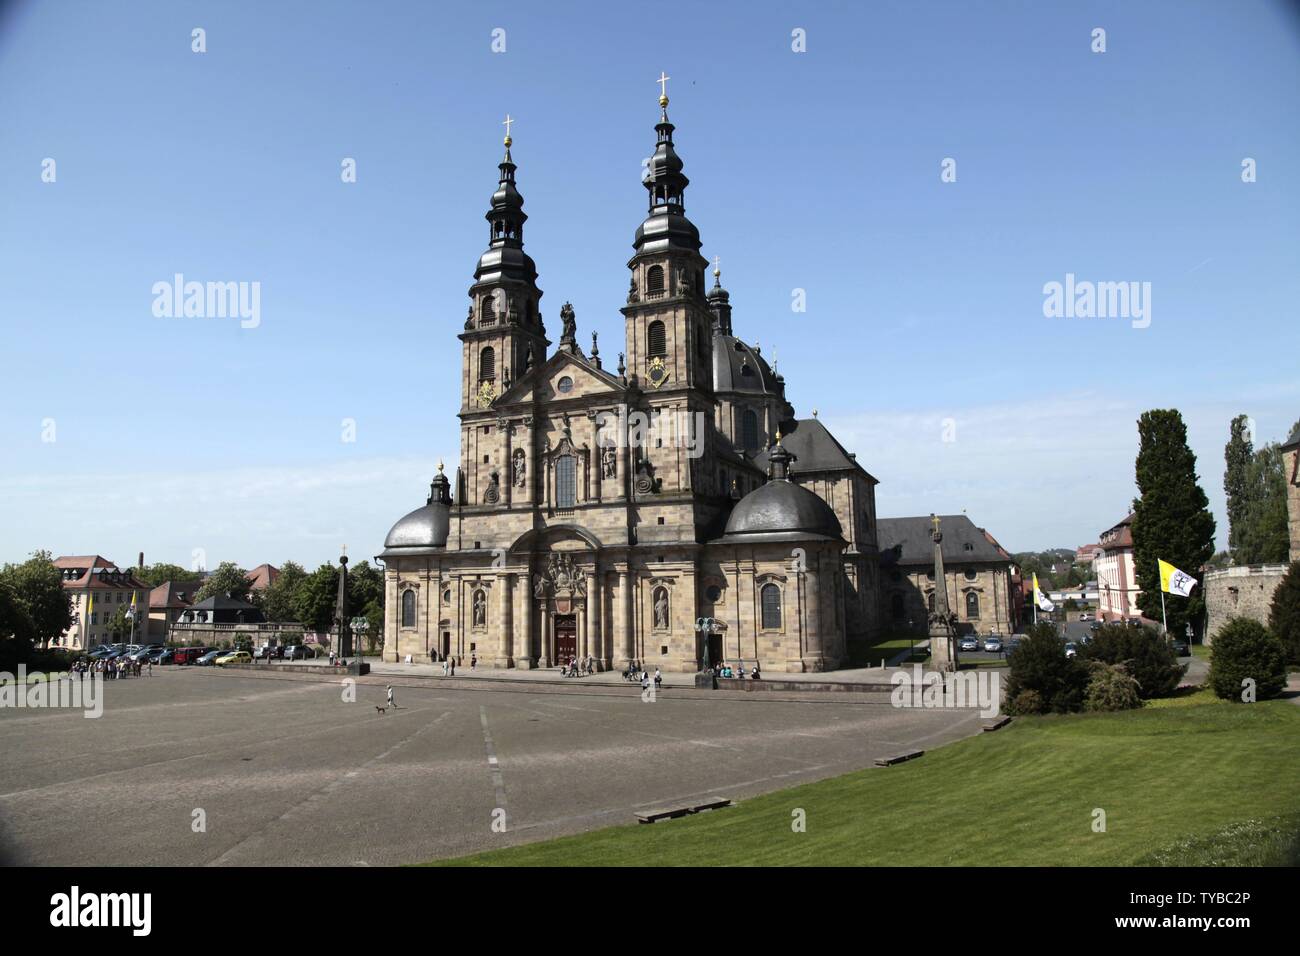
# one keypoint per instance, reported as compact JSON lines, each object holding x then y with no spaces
{"x":354,"y":669}
{"x":764,"y":684}
{"x":1245,"y":591}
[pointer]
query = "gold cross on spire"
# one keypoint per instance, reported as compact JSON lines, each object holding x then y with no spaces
{"x":663,"y":87}
{"x":934,"y":520}
{"x":717,"y":270}
{"x":506,"y":124}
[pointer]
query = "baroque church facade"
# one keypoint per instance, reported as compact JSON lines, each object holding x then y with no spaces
{"x":602,"y":512}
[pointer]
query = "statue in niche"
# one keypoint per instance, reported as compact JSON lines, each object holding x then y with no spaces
{"x":521,"y":469}
{"x":661,"y":609}
{"x":608,"y":461}
{"x":480,"y":609}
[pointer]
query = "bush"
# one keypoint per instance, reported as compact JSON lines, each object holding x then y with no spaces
{"x":1284,"y":614}
{"x":1145,"y":655}
{"x":1245,"y":650}
{"x":1042,"y":679}
{"x":1110,"y":687}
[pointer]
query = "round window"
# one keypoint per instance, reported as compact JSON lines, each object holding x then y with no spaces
{"x":565,"y":384}
{"x":713,"y":593}
{"x":446,"y":597}
{"x":971,"y":575}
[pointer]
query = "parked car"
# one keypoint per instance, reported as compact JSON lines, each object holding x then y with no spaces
{"x":234,"y":657}
{"x":1071,"y":649}
{"x":1085,"y":616}
{"x":298,"y":652}
{"x":165,"y":656}
{"x":268,"y":653}
{"x":1095,"y":626}
{"x":993,"y":644}
{"x":968,"y":643}
{"x":1181,"y":647}
{"x":208,"y":659}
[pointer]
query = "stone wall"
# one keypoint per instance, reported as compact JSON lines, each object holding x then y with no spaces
{"x":1240,"y":592}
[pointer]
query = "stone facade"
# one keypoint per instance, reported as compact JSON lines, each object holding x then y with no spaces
{"x":1291,"y":462}
{"x":1245,"y":591}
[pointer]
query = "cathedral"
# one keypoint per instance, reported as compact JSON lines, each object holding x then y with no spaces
{"x":669,"y":511}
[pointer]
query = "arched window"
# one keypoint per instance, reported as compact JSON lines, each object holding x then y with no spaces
{"x":770,"y":597}
{"x":656,"y":339}
{"x":488,"y":314}
{"x":931,"y":602}
{"x":487,"y":364}
{"x":566,"y":481}
{"x":654,"y":279}
{"x":896,"y":608}
{"x":749,"y":429}
{"x":408,"y":609}
{"x":972,"y":605}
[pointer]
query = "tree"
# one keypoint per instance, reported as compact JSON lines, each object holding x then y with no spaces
{"x":315,"y":597}
{"x":229,"y":580}
{"x":37,"y":585}
{"x":1171,"y":516}
{"x":156,"y":574}
{"x":1263,"y":537}
{"x":1237,"y":455}
{"x":1042,"y":679}
{"x":277,"y":600}
{"x":1143,"y":655}
{"x":1245,"y":655}
{"x":1110,"y":687}
{"x":15,"y":623}
{"x":1284,"y":613}
{"x":119,"y":626}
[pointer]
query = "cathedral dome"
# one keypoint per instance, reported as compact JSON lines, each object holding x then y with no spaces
{"x":739,"y":368}
{"x":781,"y":510}
{"x":425,"y":527}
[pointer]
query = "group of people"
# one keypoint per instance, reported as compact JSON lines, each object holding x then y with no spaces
{"x":112,"y":670}
{"x":738,"y":672}
{"x":579,"y":666}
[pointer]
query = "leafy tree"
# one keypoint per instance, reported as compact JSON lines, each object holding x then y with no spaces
{"x":156,"y":574}
{"x":37,"y":586}
{"x":1284,"y":613}
{"x":1171,"y":516}
{"x":1144,"y":656}
{"x":277,"y":601}
{"x":119,"y":626}
{"x":1262,"y":537}
{"x":1237,"y":455}
{"x":228,"y":580}
{"x":315,"y":597}
{"x":1245,"y":651}
{"x":1110,"y":687}
{"x":15,"y":623}
{"x":1042,"y":679}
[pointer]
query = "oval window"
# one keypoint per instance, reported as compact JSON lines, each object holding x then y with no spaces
{"x":713,"y":593}
{"x":565,"y":384}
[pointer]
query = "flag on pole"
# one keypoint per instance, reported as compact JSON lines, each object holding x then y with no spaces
{"x":1041,"y":599}
{"x":1173,"y":581}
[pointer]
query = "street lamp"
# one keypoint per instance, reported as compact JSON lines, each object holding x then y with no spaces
{"x":359,"y":627}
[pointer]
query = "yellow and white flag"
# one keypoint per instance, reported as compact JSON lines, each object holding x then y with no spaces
{"x":1173,"y":581}
{"x":1041,"y":599}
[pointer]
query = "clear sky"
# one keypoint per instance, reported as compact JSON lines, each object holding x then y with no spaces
{"x":817,"y":170}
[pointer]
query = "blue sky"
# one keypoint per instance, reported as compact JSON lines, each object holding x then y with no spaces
{"x":816,"y":170}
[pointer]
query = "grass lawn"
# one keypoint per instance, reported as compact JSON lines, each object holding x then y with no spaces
{"x":1193,"y":781}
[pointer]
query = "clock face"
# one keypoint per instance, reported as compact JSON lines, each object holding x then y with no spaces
{"x":658,"y":371}
{"x":486,"y":393}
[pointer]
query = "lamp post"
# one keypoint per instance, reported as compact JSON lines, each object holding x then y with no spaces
{"x":359,"y":626}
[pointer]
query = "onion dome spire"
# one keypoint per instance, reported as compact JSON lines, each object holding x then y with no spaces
{"x":719,"y":302}
{"x":778,"y":461}
{"x":666,"y":225}
{"x":506,"y":218}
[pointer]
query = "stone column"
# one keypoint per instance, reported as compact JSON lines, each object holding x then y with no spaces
{"x":505,"y":619}
{"x":620,"y":454}
{"x":580,"y":619}
{"x":593,"y":614}
{"x":812,"y":653}
{"x":524,"y":635}
{"x":544,"y":651}
{"x":626,"y":641}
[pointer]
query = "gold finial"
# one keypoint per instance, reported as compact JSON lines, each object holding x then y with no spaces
{"x":663,"y":88}
{"x":717,"y":269}
{"x":778,"y":436}
{"x":440,"y":466}
{"x":934,"y":519}
{"x":506,"y":124}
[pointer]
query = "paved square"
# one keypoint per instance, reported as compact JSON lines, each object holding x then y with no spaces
{"x":287,"y":773}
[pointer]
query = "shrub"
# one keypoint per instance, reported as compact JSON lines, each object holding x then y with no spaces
{"x":1110,"y":687}
{"x":1245,"y":650}
{"x":1284,"y":614}
{"x":1042,"y":679}
{"x":1145,"y":655}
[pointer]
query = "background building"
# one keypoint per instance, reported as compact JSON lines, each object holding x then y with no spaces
{"x":1116,"y":577}
{"x":112,"y":589}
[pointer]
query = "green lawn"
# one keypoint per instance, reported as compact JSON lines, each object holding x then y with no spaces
{"x":1195,"y":781}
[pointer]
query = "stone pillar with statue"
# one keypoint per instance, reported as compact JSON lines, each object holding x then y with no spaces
{"x":942,"y":621}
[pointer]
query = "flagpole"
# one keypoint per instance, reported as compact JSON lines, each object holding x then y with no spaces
{"x":1164,"y":624}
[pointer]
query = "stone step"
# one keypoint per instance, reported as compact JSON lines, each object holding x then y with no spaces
{"x":681,"y":810}
{"x":898,"y":758}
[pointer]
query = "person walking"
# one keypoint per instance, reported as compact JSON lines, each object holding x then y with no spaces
{"x":659,"y":679}
{"x":473,"y":662}
{"x":392,"y":701}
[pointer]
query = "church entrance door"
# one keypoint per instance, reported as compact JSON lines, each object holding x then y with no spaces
{"x":566,"y":637}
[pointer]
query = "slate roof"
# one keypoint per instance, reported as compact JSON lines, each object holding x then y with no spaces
{"x":1294,"y":439}
{"x":906,"y":541}
{"x":169,"y":594}
{"x":815,"y":449}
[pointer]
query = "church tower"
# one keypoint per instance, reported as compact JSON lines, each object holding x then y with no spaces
{"x":504,"y":334}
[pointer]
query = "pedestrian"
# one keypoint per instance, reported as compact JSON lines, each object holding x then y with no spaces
{"x":659,"y":678}
{"x":392,"y":702}
{"x":453,"y":667}
{"x":473,"y":662}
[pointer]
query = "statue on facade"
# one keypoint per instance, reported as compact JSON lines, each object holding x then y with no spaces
{"x":480,"y":609}
{"x":493,"y":493}
{"x":569,"y":330}
{"x":608,"y":461}
{"x":661,"y":609}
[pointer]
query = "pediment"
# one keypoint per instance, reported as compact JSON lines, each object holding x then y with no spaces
{"x":544,"y":383}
